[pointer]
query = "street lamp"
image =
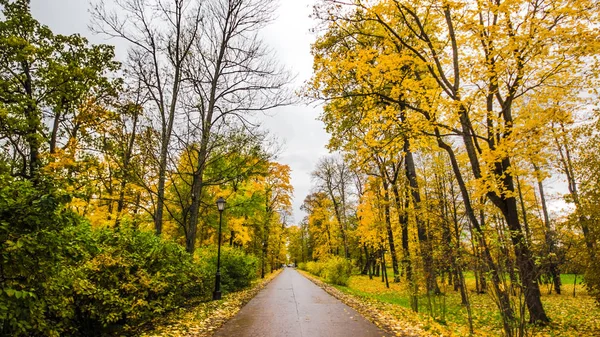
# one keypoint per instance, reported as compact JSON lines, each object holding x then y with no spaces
{"x":217,"y":293}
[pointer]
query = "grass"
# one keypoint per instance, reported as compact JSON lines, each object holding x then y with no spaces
{"x":571,"y":316}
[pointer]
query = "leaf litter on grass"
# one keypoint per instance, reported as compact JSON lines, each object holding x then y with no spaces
{"x":389,"y":309}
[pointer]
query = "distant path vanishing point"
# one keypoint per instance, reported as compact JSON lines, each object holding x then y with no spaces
{"x":293,"y":306}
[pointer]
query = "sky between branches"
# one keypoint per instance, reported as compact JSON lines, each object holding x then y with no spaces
{"x":302,"y":136}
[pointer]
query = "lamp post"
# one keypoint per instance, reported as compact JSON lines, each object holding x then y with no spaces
{"x":217,"y":292}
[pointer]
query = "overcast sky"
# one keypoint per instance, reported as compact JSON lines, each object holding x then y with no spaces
{"x":302,"y":137}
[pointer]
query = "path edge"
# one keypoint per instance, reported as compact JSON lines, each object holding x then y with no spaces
{"x":381,"y":320}
{"x":219,"y":312}
{"x":217,"y":322}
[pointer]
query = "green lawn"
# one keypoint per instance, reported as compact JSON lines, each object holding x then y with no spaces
{"x":571,"y":316}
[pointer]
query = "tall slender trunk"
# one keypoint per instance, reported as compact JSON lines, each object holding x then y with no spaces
{"x":54,"y":135}
{"x":384,"y":269}
{"x":403,"y":221}
{"x":194,"y":208}
{"x":528,"y":271}
{"x":506,"y":311}
{"x":523,"y":211}
{"x":506,"y":203}
{"x":342,"y":214}
{"x":452,"y":249}
{"x":549,"y":235}
{"x":567,"y":163}
{"x":411,"y":176}
{"x":125,"y":177}
{"x":464,"y":294}
{"x":388,"y":226}
{"x":338,"y":217}
{"x":504,"y":249}
{"x":34,"y":124}
{"x":365,"y":268}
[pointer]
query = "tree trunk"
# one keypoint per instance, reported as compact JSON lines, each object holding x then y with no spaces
{"x":194,"y":210}
{"x":527,"y":268}
{"x":126,"y":162}
{"x":565,"y":158}
{"x":162,"y":173}
{"x":403,"y":221}
{"x":411,"y":176}
{"x":503,"y":299}
{"x":34,"y":125}
{"x":365,"y":269}
{"x":388,"y":226}
{"x":523,"y":211}
{"x":507,"y":204}
{"x":549,"y":235}
{"x":54,"y":136}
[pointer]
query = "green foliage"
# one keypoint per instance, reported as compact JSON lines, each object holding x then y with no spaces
{"x":133,"y":277}
{"x":592,"y":279}
{"x":50,"y":73}
{"x":39,"y":241}
{"x":59,"y":277}
{"x":314,"y":267}
{"x":238,"y":269}
{"x":335,"y":270}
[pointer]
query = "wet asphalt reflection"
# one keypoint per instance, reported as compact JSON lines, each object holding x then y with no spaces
{"x":293,"y":306}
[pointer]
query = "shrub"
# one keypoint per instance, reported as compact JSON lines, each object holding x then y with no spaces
{"x":314,"y":267}
{"x":39,"y":243}
{"x":134,"y":277}
{"x":337,"y":270}
{"x":592,"y":279}
{"x":61,"y":278}
{"x":238,"y":269}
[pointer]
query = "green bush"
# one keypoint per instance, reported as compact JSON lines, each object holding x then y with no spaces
{"x":592,"y":279}
{"x":134,"y":277}
{"x":58,"y":277}
{"x":337,"y":270}
{"x":40,"y":242}
{"x":315,"y":267}
{"x":238,"y":269}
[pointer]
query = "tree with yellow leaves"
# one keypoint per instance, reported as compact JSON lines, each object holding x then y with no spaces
{"x":471,"y":64}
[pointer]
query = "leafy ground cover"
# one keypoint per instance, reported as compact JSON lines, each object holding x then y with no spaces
{"x":445,"y":316}
{"x":203,"y":319}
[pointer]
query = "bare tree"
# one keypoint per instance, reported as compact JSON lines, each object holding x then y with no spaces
{"x":334,"y":178}
{"x":230,"y":75}
{"x":160,"y":34}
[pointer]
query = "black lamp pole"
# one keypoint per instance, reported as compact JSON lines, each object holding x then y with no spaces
{"x":217,"y":293}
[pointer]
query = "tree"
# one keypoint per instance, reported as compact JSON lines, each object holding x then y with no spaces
{"x":46,"y":77}
{"x":230,"y":76}
{"x":513,"y":50}
{"x":160,"y":37}
{"x":333,"y":178}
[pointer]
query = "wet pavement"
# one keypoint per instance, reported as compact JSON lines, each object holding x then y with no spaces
{"x":293,"y":306}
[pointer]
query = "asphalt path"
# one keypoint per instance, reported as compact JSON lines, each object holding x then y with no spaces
{"x":293,"y":306}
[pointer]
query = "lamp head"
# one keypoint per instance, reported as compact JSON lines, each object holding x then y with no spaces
{"x":221,"y":204}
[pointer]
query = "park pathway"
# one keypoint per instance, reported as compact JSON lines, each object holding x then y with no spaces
{"x":293,"y":306}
